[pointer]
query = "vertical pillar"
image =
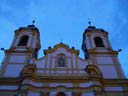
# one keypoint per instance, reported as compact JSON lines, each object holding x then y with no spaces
{"x":96,"y":77}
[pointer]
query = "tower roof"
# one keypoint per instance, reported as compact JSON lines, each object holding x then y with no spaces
{"x":31,"y":27}
{"x":93,"y":28}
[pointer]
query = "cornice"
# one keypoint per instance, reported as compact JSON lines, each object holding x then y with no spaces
{"x":12,"y":51}
{"x":110,"y":51}
{"x":9,"y":81}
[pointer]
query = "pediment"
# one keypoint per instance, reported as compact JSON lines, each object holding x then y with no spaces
{"x":61,"y":60}
{"x":61,"y":47}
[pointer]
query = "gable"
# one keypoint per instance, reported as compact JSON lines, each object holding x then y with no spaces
{"x":72,"y":64}
{"x":61,"y":45}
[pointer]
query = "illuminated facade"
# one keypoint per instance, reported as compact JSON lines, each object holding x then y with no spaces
{"x":61,"y":72}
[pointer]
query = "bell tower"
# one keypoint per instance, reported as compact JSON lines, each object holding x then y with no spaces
{"x":97,"y":48}
{"x":24,"y":48}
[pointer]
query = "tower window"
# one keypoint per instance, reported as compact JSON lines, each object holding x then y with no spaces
{"x":23,"y":40}
{"x":61,"y":60}
{"x":98,"y":42}
{"x":61,"y":94}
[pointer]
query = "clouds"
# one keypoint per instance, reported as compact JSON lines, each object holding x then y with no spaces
{"x":14,"y":11}
{"x":121,"y":22}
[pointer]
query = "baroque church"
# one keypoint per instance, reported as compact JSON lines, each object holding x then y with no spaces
{"x":61,"y":72}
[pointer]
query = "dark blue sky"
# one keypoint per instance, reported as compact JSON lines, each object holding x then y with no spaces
{"x":66,"y":20}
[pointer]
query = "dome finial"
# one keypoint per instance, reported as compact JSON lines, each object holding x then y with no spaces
{"x":33,"y":21}
{"x":89,"y":22}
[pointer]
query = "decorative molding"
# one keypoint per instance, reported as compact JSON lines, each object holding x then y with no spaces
{"x":61,"y":46}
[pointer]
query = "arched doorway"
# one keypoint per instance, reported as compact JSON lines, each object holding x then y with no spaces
{"x":61,"y":94}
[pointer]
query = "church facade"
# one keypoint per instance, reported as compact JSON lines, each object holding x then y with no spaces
{"x":61,"y":72}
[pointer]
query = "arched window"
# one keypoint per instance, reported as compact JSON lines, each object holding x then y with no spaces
{"x":61,"y":60}
{"x":61,"y":94}
{"x":23,"y":40}
{"x":98,"y":42}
